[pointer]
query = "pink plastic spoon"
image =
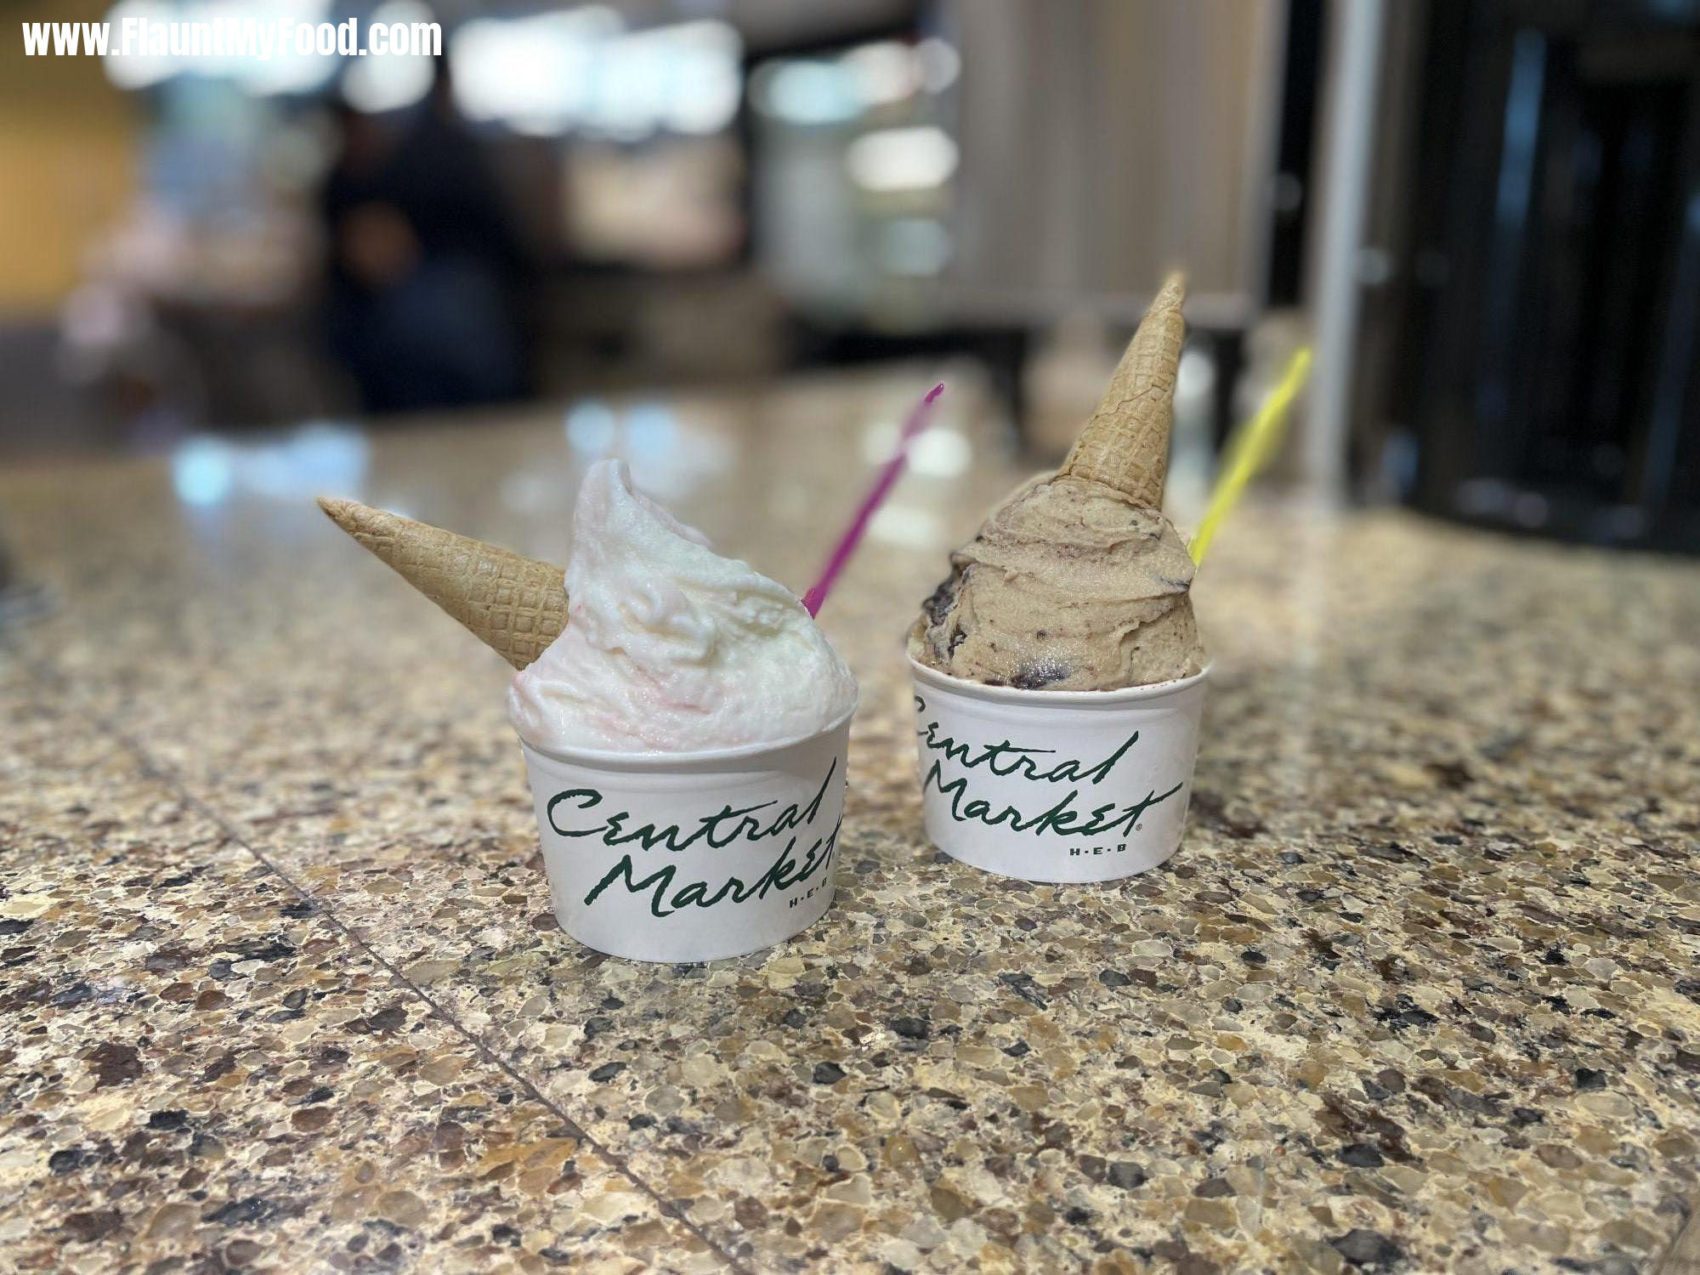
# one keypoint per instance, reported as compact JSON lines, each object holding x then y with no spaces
{"x":888,"y":477}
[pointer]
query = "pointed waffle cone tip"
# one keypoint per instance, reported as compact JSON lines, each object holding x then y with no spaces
{"x":1125,"y":443}
{"x":516,"y":606}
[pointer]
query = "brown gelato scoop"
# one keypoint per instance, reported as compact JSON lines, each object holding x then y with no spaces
{"x":1068,"y":587}
{"x":1077,"y":582}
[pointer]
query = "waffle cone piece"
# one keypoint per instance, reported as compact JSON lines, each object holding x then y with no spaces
{"x":1125,"y":443}
{"x":516,"y":606}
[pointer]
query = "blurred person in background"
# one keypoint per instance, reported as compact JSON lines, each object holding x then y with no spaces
{"x":424,"y":265}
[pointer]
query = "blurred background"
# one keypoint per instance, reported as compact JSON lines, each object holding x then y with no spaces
{"x":1484,"y":216}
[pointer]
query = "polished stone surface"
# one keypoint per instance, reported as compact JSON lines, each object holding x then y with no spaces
{"x":281,"y":988}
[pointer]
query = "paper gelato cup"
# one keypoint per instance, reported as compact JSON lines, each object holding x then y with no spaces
{"x":691,"y":856}
{"x":1056,"y":785}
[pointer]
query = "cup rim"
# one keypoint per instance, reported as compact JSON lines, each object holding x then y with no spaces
{"x":1039,"y":698}
{"x":615,"y":759}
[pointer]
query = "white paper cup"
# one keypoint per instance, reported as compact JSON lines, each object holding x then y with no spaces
{"x":1056,"y":785}
{"x":691,"y":856}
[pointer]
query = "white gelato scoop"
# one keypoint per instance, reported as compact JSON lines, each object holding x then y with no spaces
{"x":670,"y":647}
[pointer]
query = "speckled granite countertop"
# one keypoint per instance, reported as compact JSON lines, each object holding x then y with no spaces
{"x":280,"y":988}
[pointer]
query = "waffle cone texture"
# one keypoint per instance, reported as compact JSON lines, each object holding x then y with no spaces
{"x":1125,"y":443}
{"x":515,"y":605}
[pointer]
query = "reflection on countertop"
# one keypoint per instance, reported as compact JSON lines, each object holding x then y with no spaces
{"x":282,"y":987}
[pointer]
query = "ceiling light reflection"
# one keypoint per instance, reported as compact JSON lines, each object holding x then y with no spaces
{"x":906,"y":525}
{"x":591,"y":426}
{"x":580,"y":70}
{"x":651,"y":430}
{"x":319,"y":457}
{"x":940,"y":453}
{"x":219,"y":54}
{"x":374,"y":85}
{"x":939,"y":64}
{"x":899,"y":159}
{"x":202,"y":471}
{"x":807,"y":92}
{"x":883,"y":73}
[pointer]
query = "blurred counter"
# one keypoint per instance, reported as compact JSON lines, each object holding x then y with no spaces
{"x":282,"y":988}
